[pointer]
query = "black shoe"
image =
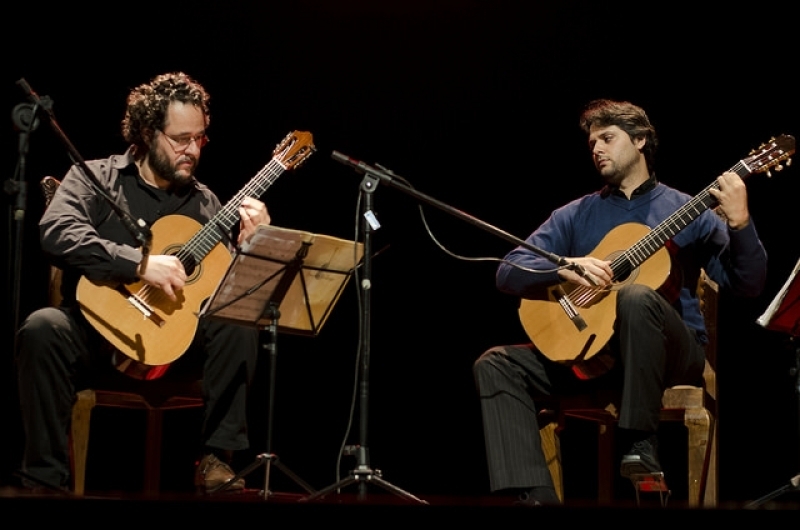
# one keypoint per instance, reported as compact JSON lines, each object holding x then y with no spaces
{"x":641,"y":459}
{"x":538,"y":496}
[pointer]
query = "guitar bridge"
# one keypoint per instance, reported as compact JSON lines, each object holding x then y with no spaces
{"x":569,"y":308}
{"x":147,"y":312}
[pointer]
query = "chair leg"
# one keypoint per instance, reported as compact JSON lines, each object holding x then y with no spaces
{"x":605,"y":461}
{"x":79,"y":438}
{"x":711,"y":498}
{"x":698,"y":423}
{"x":552,"y":453}
{"x":152,"y":456}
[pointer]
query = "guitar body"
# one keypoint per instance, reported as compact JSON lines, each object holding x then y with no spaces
{"x":160,"y":335}
{"x":556,"y":335}
{"x":140,"y":321}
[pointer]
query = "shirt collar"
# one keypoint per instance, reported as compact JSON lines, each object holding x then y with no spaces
{"x":124,"y":160}
{"x":646,"y":186}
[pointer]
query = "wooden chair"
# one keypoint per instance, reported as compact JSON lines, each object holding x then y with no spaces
{"x":154,"y":397}
{"x":696,"y":407}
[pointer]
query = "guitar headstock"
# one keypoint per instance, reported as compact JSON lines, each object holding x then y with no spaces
{"x":49,"y":186}
{"x":771,"y":155}
{"x":294,"y":149}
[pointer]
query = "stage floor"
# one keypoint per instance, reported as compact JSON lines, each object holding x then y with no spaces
{"x":354,"y":506}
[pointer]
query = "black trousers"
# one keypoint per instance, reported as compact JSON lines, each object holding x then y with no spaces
{"x":654,"y":350}
{"x":60,"y":353}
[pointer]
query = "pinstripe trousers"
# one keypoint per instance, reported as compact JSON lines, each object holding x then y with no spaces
{"x":653,"y":348}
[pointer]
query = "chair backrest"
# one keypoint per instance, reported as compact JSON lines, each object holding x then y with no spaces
{"x":708,"y":295}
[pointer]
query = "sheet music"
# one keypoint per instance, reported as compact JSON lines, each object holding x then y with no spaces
{"x":326,"y":270}
{"x":765,"y":319}
{"x":257,"y":270}
{"x":282,"y":243}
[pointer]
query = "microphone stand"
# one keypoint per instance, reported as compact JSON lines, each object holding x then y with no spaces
{"x":793,"y":484}
{"x":389,"y":178}
{"x":363,"y":473}
{"x":138,"y":228}
{"x":25,"y":121}
{"x":372,"y":177}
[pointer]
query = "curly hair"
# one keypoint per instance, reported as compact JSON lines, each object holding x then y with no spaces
{"x":148,"y":103}
{"x":629,"y":117}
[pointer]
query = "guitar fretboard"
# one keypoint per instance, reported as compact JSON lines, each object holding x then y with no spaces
{"x":219,"y":226}
{"x":669,"y":227}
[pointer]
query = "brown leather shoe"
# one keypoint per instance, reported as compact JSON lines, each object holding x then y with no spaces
{"x":211,"y":473}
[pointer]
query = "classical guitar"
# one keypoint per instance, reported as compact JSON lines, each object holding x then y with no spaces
{"x":140,"y":321}
{"x":571,"y":323}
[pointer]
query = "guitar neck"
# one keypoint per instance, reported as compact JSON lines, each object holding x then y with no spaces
{"x":669,"y":227}
{"x":219,"y":226}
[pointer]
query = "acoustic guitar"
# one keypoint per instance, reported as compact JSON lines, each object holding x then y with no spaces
{"x":571,"y":323}
{"x":140,"y":321}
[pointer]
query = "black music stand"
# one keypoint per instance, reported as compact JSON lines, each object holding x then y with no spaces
{"x":783,"y":314}
{"x":282,"y":280}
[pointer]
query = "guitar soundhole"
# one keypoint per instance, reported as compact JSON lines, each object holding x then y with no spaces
{"x":625,"y":277}
{"x":623,"y":273}
{"x":190,"y":265}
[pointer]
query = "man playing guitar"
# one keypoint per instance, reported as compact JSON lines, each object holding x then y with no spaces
{"x":605,"y":306}
{"x":59,"y":348}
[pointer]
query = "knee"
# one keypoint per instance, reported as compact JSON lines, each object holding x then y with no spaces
{"x":492,"y":360}
{"x":38,"y":336}
{"x":636,"y":299}
{"x":483,"y":360}
{"x":38,"y":327}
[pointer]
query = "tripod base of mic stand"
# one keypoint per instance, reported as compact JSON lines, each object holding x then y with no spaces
{"x":364,"y":476}
{"x":267,"y":460}
{"x":794,"y":484}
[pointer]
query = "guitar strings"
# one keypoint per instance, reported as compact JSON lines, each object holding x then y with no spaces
{"x":207,"y":237}
{"x":645,"y":247}
{"x":202,"y":243}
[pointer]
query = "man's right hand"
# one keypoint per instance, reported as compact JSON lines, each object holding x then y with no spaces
{"x":163,"y":271}
{"x":599,"y":271}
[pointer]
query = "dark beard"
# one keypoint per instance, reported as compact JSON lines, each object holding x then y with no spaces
{"x":162,"y":166}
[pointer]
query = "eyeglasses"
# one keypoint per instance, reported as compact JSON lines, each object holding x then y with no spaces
{"x":181,"y":143}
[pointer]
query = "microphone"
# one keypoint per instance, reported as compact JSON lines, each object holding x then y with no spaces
{"x":145,"y":236}
{"x":359,"y":165}
{"x":141,"y":232}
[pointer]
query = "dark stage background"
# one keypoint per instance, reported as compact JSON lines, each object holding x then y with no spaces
{"x":476,"y":104}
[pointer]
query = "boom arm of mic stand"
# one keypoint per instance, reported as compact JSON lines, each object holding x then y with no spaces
{"x":138,"y":228}
{"x":386,"y":177}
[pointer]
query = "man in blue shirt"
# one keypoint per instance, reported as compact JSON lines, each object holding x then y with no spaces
{"x":655,"y":336}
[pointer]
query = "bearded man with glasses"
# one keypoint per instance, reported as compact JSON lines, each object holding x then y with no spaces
{"x":58,"y":350}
